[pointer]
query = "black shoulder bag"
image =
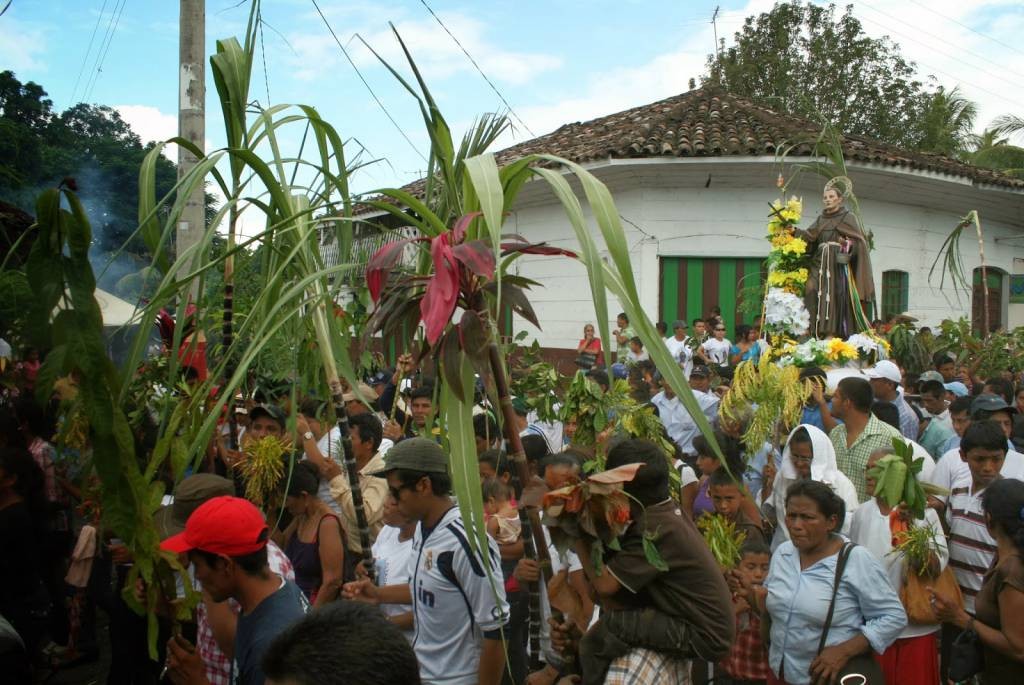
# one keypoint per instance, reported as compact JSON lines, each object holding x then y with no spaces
{"x":864,"y":664}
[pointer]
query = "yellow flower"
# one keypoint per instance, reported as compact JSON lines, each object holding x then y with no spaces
{"x":840,"y":350}
{"x":796,"y":206}
{"x":793,"y":246}
{"x":788,"y":279}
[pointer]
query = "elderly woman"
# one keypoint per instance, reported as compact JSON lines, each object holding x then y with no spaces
{"x":829,"y":601}
{"x":808,"y":455}
{"x":314,"y":541}
{"x":999,"y":606}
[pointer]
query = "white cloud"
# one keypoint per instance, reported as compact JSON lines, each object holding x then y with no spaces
{"x":149,"y":122}
{"x":22,"y":46}
{"x":987,"y":71}
{"x":436,"y":54}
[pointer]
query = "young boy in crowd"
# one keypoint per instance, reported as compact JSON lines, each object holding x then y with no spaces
{"x":747,"y":663}
{"x":971,"y":546}
{"x":653,"y":621}
{"x":727,"y":497}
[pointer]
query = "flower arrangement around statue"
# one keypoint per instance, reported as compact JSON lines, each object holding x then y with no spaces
{"x":871,"y":348}
{"x":784,"y":311}
{"x":833,"y":352}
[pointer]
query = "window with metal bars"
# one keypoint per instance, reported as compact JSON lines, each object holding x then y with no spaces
{"x":895,"y":293}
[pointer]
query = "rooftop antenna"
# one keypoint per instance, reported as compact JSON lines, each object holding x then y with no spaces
{"x":714,"y":24}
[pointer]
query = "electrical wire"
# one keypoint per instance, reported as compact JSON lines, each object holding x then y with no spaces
{"x":511,"y":110}
{"x":88,"y":51}
{"x":365,"y":83}
{"x":942,"y":52}
{"x":953,"y":77}
{"x":101,"y":56}
{"x":947,"y":18}
{"x":263,"y":52}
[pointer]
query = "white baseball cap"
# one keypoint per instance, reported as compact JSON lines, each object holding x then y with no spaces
{"x":887,"y":370}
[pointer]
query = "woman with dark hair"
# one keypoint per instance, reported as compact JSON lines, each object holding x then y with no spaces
{"x":829,"y":600}
{"x":999,"y":605}
{"x":314,"y":541}
{"x":23,"y":513}
{"x":808,"y":455}
{"x":746,"y":347}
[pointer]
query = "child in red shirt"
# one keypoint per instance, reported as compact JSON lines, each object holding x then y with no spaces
{"x":747,"y":663}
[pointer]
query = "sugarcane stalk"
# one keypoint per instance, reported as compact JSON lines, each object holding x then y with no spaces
{"x":320,"y":325}
{"x":973,"y":216}
{"x":227,"y":327}
{"x":534,"y":545}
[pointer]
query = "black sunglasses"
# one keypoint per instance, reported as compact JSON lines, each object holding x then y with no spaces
{"x":396,"y":492}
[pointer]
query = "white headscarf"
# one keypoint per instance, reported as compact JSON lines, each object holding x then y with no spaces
{"x":823,"y":463}
{"x":823,"y":470}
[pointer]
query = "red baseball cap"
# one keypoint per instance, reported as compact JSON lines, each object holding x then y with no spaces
{"x":231,"y":526}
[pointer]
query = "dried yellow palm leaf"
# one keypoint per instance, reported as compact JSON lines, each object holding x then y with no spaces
{"x":765,"y":394}
{"x":263,"y":467}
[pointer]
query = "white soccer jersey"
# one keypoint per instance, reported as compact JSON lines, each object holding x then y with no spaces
{"x":455,"y":601}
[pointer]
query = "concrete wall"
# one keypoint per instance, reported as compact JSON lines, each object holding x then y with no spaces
{"x":718,"y":208}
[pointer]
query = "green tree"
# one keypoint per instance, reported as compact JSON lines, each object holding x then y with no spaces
{"x":803,"y":60}
{"x":91,"y":143}
{"x":993,"y":150}
{"x":947,"y":124}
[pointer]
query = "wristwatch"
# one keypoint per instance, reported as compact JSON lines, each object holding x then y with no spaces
{"x":308,"y":435}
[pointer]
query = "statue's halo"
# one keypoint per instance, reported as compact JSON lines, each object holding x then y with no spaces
{"x":843,"y":184}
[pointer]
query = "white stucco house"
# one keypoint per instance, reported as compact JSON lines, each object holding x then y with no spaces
{"x":692,"y":177}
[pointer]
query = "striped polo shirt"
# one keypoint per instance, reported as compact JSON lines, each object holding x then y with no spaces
{"x":971,"y":548}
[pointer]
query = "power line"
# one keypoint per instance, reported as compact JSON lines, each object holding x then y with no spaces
{"x":263,"y":52}
{"x":477,"y":66}
{"x":942,"y":52}
{"x":952,"y":76}
{"x":365,"y":83}
{"x":88,"y":50}
{"x":994,"y":40}
{"x":104,"y":48}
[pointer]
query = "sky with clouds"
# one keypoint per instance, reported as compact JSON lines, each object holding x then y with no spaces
{"x":555,"y":61}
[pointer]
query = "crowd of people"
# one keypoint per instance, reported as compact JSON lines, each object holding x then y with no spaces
{"x":820,"y":588}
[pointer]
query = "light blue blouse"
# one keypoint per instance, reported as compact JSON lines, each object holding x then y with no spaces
{"x":798,"y":604}
{"x":755,"y":466}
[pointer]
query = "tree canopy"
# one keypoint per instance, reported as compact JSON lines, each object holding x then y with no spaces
{"x":804,"y":60}
{"x":91,"y":143}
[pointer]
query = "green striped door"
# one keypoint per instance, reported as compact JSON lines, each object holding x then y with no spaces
{"x":692,"y":286}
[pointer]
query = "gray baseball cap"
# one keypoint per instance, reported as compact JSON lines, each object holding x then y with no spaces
{"x":415,"y":454}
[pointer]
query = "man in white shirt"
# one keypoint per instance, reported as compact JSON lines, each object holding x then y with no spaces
{"x":681,"y":427}
{"x":952,"y":472}
{"x":885,"y":381}
{"x":679,"y":346}
{"x":458,"y":598}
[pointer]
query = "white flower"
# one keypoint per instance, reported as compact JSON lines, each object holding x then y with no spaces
{"x":864,"y":344}
{"x":786,"y":312}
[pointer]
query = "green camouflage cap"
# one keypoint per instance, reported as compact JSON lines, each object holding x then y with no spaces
{"x":415,"y":454}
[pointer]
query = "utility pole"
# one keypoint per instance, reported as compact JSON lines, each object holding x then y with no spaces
{"x":714,"y":26}
{"x":191,"y":119}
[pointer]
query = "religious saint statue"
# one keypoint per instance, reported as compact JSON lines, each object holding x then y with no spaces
{"x":840,"y":287}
